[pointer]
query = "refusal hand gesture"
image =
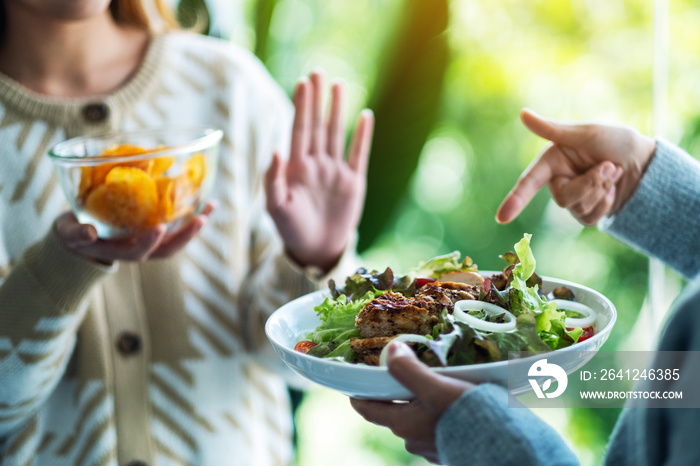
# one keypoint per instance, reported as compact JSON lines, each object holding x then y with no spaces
{"x":591,"y":169}
{"x":316,"y":197}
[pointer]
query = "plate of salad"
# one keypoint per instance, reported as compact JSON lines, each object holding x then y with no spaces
{"x":464,"y":323}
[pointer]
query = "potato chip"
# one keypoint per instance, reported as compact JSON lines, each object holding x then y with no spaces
{"x":98,"y":204}
{"x":166,"y":193}
{"x":161,"y":164}
{"x":136,"y":195}
{"x":124,"y":149}
{"x":85,"y":182}
{"x":127,"y":199}
{"x":100,"y":172}
{"x":183,"y":190}
{"x":195,"y":169}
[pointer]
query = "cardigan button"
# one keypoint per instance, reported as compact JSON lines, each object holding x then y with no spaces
{"x":128,"y":343}
{"x":96,"y":112}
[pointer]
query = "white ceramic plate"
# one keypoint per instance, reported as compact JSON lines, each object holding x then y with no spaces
{"x":293,"y":321}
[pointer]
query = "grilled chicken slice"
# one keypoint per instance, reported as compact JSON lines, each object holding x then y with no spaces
{"x":393,"y":313}
{"x":447,"y":293}
{"x":468,"y":278}
{"x":369,"y":349}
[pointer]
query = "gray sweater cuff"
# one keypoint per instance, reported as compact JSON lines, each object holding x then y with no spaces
{"x":662,"y":218}
{"x":480,"y":428}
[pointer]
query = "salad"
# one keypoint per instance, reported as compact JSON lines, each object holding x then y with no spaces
{"x":448,"y":313}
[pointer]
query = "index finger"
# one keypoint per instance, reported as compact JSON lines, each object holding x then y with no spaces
{"x":530,"y":182}
{"x":550,"y":163}
{"x":172,"y":243}
{"x":559,"y":132}
{"x":383,"y":413}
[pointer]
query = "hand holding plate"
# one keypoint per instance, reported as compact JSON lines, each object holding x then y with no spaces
{"x":416,"y":420}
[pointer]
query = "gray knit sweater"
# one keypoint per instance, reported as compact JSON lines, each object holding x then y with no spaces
{"x":661,"y":219}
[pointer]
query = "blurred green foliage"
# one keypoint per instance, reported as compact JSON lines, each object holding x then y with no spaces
{"x":446,"y":81}
{"x":406,"y":99}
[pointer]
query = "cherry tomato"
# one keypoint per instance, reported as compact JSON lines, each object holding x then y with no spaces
{"x":588,"y":332}
{"x":423,"y":281}
{"x":304,"y":346}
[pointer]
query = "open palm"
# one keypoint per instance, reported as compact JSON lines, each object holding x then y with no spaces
{"x":316,"y":197}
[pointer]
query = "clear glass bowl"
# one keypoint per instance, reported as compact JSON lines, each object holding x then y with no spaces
{"x":126,"y":183}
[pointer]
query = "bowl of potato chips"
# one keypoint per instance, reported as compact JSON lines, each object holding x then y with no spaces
{"x":126,"y":183}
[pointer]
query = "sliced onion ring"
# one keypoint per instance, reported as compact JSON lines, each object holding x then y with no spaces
{"x":489,"y":309}
{"x":588,"y":318}
{"x":405,"y":337}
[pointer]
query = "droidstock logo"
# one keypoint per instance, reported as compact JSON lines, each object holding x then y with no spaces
{"x":542,"y":369}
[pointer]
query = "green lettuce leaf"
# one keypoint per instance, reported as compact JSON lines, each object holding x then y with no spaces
{"x":557,"y":336}
{"x":343,"y":352}
{"x":338,"y":319}
{"x":442,"y":346}
{"x":464,"y":350}
{"x":440,"y":265}
{"x":525,"y":338}
{"x":550,"y":322}
{"x":522,"y":272}
{"x":526,"y":266}
{"x":362,"y":282}
{"x":549,"y":317}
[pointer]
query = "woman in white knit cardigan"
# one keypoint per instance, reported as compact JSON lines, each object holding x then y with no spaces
{"x":150,"y":350}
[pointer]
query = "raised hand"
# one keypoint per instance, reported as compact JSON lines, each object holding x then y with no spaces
{"x":151,"y":244}
{"x":415,"y":421}
{"x":591,"y":169}
{"x":316,"y":197}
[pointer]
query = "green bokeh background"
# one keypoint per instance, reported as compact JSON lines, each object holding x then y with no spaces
{"x":446,"y":79}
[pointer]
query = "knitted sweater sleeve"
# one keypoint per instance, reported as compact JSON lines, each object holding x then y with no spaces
{"x":483,"y":428}
{"x":662,"y":218}
{"x":40,"y":311}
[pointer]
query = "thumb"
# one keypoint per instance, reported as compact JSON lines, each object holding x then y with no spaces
{"x":555,"y":131}
{"x":275,"y":183}
{"x":72,"y":233}
{"x":435,"y":390}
